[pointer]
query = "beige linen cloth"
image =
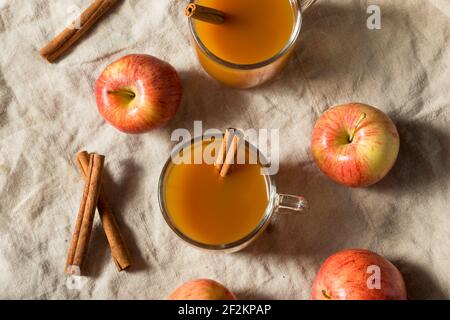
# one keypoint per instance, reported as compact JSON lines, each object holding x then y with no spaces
{"x":48,"y":114}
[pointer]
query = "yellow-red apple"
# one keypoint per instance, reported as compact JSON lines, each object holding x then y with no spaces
{"x":202,"y":289}
{"x":138,"y":93}
{"x":358,"y":274}
{"x":355,"y":144}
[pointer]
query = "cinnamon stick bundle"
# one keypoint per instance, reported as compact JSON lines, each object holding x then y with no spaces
{"x":67,"y":38}
{"x":227,"y":152}
{"x":119,"y":251}
{"x":83,"y":227}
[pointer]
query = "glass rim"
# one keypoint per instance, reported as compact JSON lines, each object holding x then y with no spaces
{"x":292,"y":40}
{"x":270,"y":209}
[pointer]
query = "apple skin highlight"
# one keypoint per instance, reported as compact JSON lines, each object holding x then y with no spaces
{"x":344,"y":276}
{"x":138,"y":93}
{"x":355,"y":144}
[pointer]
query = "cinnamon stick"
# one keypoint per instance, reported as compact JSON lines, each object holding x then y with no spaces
{"x":119,"y":251}
{"x":83,"y":227}
{"x":227,"y":152}
{"x":231,"y":154}
{"x":67,"y":38}
{"x":206,"y":14}
{"x":220,"y":159}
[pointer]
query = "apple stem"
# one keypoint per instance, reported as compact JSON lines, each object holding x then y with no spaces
{"x":326,"y":295}
{"x":358,"y":123}
{"x":126,"y":93}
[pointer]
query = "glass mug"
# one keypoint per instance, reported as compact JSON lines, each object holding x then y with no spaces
{"x":247,"y":75}
{"x":275,"y":201}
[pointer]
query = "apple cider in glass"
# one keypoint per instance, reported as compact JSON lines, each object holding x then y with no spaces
{"x":213,"y":210}
{"x":252,"y":44}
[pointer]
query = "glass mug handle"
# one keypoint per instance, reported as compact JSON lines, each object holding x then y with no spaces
{"x":292,"y":203}
{"x":306,"y":4}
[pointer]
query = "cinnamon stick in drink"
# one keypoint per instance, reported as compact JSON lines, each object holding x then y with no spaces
{"x":227,"y":152}
{"x":221,"y":154}
{"x":230,"y":157}
{"x":67,"y":38}
{"x":83,"y":227}
{"x":206,"y":14}
{"x":119,"y":251}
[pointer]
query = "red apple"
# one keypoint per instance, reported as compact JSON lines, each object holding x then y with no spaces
{"x":355,"y":144}
{"x":202,"y":289}
{"x":353,"y":275}
{"x":138,"y":93}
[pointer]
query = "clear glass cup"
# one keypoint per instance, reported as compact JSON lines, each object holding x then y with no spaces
{"x":278,"y":203}
{"x":248,"y":75}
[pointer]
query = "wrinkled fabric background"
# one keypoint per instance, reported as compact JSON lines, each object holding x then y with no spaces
{"x":48,"y":114}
